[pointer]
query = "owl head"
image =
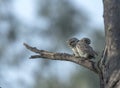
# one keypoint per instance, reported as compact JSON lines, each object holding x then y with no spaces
{"x":86,"y":40}
{"x":72,"y":42}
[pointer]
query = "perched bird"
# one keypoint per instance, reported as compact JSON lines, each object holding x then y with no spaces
{"x":86,"y":40}
{"x":84,"y":49}
{"x":72,"y":44}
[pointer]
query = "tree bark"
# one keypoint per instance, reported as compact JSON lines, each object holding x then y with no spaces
{"x":108,"y":68}
{"x":62,"y":56}
{"x":111,"y":58}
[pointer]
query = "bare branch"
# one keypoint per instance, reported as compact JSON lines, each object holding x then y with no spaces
{"x":62,"y":56}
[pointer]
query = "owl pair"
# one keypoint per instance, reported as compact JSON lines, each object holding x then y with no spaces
{"x":82,"y":48}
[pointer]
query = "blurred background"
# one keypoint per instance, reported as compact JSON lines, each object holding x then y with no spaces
{"x":47,"y":24}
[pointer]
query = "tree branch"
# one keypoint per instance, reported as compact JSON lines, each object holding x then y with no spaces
{"x":62,"y":56}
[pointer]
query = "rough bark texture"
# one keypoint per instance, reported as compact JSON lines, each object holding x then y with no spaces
{"x":108,"y":68}
{"x":111,"y":58}
{"x":91,"y":65}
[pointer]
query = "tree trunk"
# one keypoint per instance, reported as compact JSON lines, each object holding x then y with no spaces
{"x":111,"y":56}
{"x":109,"y":67}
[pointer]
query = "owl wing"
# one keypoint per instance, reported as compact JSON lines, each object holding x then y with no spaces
{"x":82,"y":49}
{"x":91,"y":51}
{"x":85,"y":50}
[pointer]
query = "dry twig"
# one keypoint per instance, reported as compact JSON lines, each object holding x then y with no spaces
{"x":61,"y":56}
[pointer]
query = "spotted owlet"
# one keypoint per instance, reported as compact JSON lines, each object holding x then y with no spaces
{"x":72,"y":44}
{"x":84,"y":49}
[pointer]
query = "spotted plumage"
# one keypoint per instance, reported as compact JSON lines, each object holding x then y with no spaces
{"x":72,"y":44}
{"x":84,"y":49}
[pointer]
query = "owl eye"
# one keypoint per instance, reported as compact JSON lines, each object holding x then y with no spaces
{"x":88,"y":41}
{"x":71,"y":42}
